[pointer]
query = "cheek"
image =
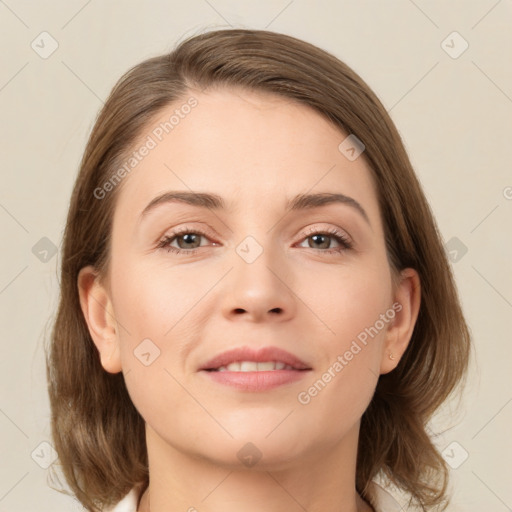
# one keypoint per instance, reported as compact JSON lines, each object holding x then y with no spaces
{"x":348,"y":300}
{"x":158,"y":321}
{"x":355,"y":307}
{"x":154,"y":302}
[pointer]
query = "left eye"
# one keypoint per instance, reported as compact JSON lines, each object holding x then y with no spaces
{"x":323,"y":240}
{"x":189,"y":240}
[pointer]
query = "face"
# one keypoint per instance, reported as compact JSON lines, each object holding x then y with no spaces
{"x":267,"y":265}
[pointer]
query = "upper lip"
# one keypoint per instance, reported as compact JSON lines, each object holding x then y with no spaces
{"x":256,"y":355}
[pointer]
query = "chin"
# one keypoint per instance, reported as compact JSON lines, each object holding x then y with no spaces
{"x":261,"y":455}
{"x":258,"y":446}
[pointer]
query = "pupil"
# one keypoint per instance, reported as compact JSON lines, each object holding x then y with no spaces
{"x":189,"y":238}
{"x":318,"y":239}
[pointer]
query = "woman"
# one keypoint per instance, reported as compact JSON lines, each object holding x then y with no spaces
{"x":256,"y":310}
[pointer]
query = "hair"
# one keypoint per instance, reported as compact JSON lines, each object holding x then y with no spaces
{"x":97,"y":431}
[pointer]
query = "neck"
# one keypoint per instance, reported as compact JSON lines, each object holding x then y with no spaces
{"x":321,"y":481}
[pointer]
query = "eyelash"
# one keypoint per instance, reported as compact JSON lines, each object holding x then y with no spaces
{"x":339,"y":236}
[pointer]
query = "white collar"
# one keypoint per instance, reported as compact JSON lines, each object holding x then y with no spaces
{"x":128,"y":503}
{"x":383,"y":500}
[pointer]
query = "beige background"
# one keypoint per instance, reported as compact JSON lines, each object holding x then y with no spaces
{"x":455,"y":115}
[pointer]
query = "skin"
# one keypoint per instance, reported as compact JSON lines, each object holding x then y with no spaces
{"x":255,"y":150}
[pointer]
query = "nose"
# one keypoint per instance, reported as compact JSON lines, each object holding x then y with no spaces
{"x":259,"y":291}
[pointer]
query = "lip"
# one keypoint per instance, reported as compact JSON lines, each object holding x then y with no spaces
{"x":260,"y":380}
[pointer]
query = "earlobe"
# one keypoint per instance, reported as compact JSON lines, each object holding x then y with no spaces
{"x":406,"y":307}
{"x":99,"y":315}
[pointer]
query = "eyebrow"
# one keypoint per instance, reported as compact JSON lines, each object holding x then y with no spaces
{"x":216,"y":202}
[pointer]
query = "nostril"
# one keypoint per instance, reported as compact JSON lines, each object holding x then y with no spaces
{"x":239,"y":310}
{"x":276,"y":310}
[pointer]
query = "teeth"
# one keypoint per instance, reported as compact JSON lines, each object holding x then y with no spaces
{"x":247,"y":366}
{"x":251,"y":366}
{"x":267,"y":366}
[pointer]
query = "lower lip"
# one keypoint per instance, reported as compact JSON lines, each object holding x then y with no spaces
{"x":257,"y":381}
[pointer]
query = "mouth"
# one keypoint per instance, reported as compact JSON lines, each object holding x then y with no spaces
{"x":247,"y":359}
{"x":253,"y":366}
{"x":255,"y":370}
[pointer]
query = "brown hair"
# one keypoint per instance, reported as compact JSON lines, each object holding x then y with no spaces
{"x":97,"y":432}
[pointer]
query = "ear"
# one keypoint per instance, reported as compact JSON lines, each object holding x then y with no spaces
{"x":406,"y":306}
{"x":99,"y":314}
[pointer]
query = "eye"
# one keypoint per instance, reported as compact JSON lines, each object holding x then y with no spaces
{"x":183,"y":241}
{"x":322,"y":239}
{"x":188,"y":241}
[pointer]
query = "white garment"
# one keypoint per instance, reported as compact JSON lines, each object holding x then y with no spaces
{"x":128,"y":503}
{"x":384,"y":502}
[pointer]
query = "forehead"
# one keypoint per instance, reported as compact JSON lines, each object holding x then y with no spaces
{"x":248,"y":146}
